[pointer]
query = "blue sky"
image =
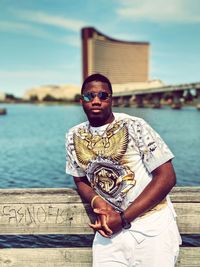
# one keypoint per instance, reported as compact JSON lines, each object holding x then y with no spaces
{"x":41,"y":44}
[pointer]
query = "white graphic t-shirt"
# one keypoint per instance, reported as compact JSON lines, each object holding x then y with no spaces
{"x":118,"y":159}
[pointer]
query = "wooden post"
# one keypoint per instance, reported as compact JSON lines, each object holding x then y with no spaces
{"x":177,"y":99}
{"x":126,"y":100}
{"x":139,"y":101}
{"x":121,"y":101}
{"x":198,"y":98}
{"x":156,"y":97}
{"x":115,"y":101}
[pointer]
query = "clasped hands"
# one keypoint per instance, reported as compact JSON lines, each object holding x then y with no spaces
{"x":108,"y":221}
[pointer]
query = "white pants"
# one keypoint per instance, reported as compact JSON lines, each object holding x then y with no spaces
{"x":123,"y":249}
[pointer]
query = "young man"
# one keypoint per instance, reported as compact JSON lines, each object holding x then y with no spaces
{"x":122,"y":167}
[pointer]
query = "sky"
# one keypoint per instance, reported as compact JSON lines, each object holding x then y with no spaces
{"x":40,"y":42}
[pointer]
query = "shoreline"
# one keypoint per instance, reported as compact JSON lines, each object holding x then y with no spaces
{"x":70,"y":102}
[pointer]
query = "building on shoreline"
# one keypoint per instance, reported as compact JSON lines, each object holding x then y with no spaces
{"x":125,"y":63}
{"x":122,"y":61}
{"x":56,"y":92}
{"x":2,"y":96}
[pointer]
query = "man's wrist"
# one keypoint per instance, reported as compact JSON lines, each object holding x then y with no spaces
{"x":98,"y":202}
{"x":124,"y":222}
{"x":93,"y":200}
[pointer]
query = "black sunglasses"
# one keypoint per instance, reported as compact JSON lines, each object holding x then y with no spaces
{"x":89,"y":96}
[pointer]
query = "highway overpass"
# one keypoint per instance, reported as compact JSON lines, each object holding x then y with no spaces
{"x":176,"y":93}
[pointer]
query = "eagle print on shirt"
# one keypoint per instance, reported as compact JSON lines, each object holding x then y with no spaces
{"x":102,"y":156}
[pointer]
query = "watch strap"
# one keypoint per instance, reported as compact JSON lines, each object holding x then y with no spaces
{"x":125,"y":223}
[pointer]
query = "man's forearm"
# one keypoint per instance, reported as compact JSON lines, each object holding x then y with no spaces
{"x":84,"y":189}
{"x":88,"y":193}
{"x":163,"y":180}
{"x":90,"y":196}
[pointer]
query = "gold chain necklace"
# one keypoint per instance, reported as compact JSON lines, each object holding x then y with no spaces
{"x":101,"y":139}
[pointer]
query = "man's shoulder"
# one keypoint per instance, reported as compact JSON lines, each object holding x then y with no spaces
{"x":129,"y":118}
{"x":76,"y":127}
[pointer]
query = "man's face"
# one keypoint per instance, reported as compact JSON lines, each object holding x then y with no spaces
{"x":97,"y":110}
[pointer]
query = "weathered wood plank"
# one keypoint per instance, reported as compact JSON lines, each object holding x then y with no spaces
{"x":73,"y":257}
{"x":70,"y":218}
{"x":73,"y":218}
{"x":189,"y":257}
{"x":185,"y":194}
{"x":39,"y":195}
{"x":67,"y":195}
{"x":61,"y":211}
{"x":46,"y":257}
{"x":188,"y":217}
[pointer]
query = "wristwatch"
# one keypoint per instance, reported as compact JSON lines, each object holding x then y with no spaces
{"x":125,"y":223}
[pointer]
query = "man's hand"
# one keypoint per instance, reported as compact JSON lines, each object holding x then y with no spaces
{"x":100,"y":224}
{"x":108,"y":222}
{"x":87,"y":193}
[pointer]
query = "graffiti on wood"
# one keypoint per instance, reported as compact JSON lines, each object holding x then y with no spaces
{"x":39,"y":214}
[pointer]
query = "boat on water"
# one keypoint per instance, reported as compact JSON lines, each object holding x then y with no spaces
{"x":3,"y":111}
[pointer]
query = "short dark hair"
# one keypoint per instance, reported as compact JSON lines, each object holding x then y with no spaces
{"x":98,"y":78}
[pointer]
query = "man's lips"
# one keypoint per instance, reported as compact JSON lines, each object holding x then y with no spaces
{"x":95,"y":110}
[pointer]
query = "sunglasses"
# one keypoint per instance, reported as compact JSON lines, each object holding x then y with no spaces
{"x":89,"y":96}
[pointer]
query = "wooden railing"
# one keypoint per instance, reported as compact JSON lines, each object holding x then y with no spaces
{"x":61,"y":211}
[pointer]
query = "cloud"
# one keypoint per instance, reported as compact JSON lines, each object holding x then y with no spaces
{"x":27,"y":29}
{"x":179,"y":11}
{"x":48,"y":19}
{"x":29,"y":26}
{"x":29,"y":74}
{"x":71,"y":40}
{"x":12,"y":26}
{"x":128,"y":37}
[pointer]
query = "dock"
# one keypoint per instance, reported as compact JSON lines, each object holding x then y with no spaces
{"x":61,"y":211}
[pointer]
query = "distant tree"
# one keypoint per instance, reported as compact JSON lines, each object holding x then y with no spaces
{"x":34,"y":98}
{"x":77,"y":97}
{"x":10,"y":97}
{"x":49,"y":98}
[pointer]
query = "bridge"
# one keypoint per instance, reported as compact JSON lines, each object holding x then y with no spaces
{"x":40,"y":212}
{"x":175,"y":95}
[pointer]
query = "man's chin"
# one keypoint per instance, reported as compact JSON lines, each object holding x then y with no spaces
{"x":96,"y":112}
{"x":96,"y":118}
{"x":95,"y":115}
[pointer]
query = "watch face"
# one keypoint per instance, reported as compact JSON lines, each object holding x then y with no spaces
{"x":127,"y":225}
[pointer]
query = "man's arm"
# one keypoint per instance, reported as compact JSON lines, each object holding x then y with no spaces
{"x":84,"y":188}
{"x":87,"y":193}
{"x":163,"y":180}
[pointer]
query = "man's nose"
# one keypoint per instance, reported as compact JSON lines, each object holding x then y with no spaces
{"x":96,"y":100}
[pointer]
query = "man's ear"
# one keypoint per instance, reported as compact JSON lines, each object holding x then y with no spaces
{"x":81,"y":101}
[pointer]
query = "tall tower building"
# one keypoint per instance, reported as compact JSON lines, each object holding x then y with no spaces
{"x":121,"y":61}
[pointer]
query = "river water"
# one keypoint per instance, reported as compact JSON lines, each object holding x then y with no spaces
{"x":32,"y":142}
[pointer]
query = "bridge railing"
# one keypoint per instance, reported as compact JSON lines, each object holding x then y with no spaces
{"x":174,"y":94}
{"x":61,"y":211}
